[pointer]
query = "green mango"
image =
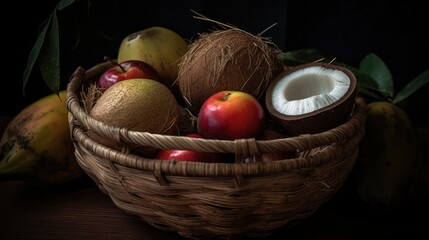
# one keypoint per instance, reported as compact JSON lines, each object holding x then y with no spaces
{"x":389,"y":161}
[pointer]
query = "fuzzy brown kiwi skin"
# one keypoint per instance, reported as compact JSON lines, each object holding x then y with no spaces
{"x":322,"y":119}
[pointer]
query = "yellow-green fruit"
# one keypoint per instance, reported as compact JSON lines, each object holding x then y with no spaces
{"x":390,"y":157}
{"x":36,"y":145}
{"x":160,"y":47}
{"x":139,"y":105}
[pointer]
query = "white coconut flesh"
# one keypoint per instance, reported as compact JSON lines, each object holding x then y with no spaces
{"x":308,"y":90}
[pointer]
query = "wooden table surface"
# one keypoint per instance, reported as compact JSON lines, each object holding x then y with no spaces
{"x":79,"y":210}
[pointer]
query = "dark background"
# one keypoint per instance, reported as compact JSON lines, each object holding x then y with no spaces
{"x":346,"y":30}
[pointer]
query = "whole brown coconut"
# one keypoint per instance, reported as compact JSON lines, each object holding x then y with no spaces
{"x":230,"y":59}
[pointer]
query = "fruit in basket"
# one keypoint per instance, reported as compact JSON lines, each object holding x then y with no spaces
{"x":312,"y":98}
{"x":142,"y":105}
{"x":230,"y":115}
{"x":126,"y":70}
{"x":158,"y":46}
{"x":230,"y":59}
{"x":190,"y":155}
{"x":268,"y":134}
{"x":36,"y":144}
{"x":188,"y":122}
{"x":389,"y":160}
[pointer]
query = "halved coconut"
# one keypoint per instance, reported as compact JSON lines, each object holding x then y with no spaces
{"x":312,"y":98}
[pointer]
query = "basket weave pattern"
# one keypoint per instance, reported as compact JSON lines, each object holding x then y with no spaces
{"x":222,"y":200}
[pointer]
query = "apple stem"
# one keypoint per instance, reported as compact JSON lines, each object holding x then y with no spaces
{"x":110,"y":60}
{"x":226,"y":96}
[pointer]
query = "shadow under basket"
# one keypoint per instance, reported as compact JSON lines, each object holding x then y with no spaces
{"x":214,"y":200}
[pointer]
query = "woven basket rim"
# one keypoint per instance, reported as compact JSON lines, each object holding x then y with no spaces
{"x":352,"y":129}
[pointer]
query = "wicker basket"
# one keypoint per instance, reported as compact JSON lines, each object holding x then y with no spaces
{"x":214,"y":200}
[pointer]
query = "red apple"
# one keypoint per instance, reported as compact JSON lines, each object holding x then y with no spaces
{"x":230,"y":115}
{"x":189,"y":155}
{"x":127,"y":70}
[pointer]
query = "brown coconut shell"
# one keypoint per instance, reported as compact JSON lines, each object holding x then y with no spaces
{"x":321,"y":119}
{"x":230,"y":59}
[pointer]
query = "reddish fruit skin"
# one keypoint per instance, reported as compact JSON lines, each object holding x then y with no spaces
{"x":274,"y":156}
{"x":230,"y":115}
{"x":188,"y":155}
{"x":133,"y":69}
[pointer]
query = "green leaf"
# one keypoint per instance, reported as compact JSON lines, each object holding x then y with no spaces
{"x":63,"y":4}
{"x":34,"y":53}
{"x":47,"y":52}
{"x":373,"y":66}
{"x":412,"y":86}
{"x":49,"y":56}
{"x":364,"y":81}
{"x":301,"y":56}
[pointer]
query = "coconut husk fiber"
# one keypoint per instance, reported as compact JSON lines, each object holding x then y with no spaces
{"x":227,"y":59}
